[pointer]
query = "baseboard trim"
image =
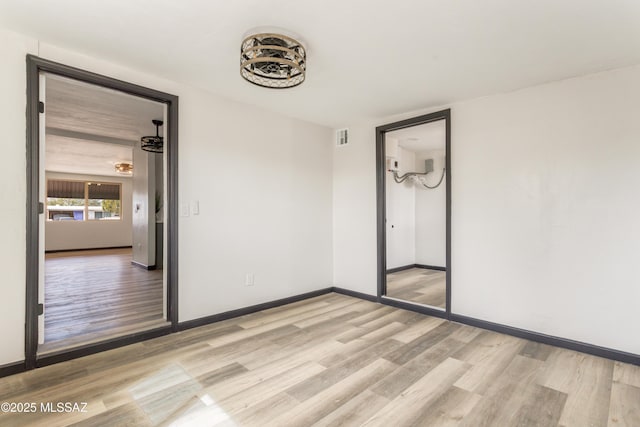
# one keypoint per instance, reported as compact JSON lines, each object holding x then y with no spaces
{"x":607,"y":353}
{"x":143,"y":266}
{"x":12,"y":368}
{"x":87,"y":249}
{"x":417,"y":308}
{"x":86,"y":350}
{"x":404,"y":267}
{"x":49,"y":359}
{"x":430,"y":267}
{"x":354,"y":294}
{"x":410,"y":266}
{"x":202,"y":321}
{"x":582,"y":347}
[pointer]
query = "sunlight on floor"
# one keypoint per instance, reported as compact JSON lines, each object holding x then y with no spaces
{"x":173,"y":396}
{"x":209,"y":414}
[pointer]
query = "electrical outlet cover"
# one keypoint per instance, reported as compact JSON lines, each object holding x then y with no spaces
{"x":428,"y":165}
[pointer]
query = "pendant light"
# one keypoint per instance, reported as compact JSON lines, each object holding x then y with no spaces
{"x":153,"y":144}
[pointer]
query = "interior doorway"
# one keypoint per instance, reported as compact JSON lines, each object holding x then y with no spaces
{"x":103,"y":219}
{"x":414,"y":213}
{"x":101,"y":261}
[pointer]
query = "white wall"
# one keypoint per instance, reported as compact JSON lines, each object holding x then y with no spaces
{"x":64,"y":235}
{"x":144,"y":206}
{"x":13,"y":189}
{"x":264,"y":183}
{"x":431,"y":212}
{"x":545,"y":224}
{"x":401,"y":214}
{"x":354,"y":210}
{"x":416,"y":219}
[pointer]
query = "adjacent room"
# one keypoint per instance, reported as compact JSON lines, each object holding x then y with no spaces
{"x":320,"y":213}
{"x":103,"y":220}
{"x":416,"y":214}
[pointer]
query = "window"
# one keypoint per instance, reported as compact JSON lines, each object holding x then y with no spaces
{"x":83,"y":200}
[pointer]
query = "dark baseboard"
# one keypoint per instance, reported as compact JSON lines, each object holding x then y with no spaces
{"x":12,"y":368}
{"x":87,"y":249}
{"x":248,"y":310}
{"x":410,"y":266}
{"x":49,"y":359}
{"x":404,"y":267}
{"x":417,"y":308}
{"x":355,"y":294}
{"x":142,"y":266}
{"x":430,"y":267}
{"x":99,"y":347}
{"x":595,"y":350}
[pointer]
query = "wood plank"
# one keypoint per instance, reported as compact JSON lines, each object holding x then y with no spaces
{"x":589,"y":392}
{"x":401,"y":410}
{"x":274,"y":371}
{"x":399,"y":380}
{"x":536,"y":350}
{"x":542,"y":408}
{"x":448,"y":410}
{"x":332,"y":375}
{"x":97,"y":295}
{"x":418,"y":329}
{"x":355,"y":412}
{"x":322,"y":404}
{"x":421,"y":343}
{"x":489,"y":354}
{"x":625,"y":406}
{"x":418,"y":285}
{"x":266,"y":409}
{"x":250,"y":400}
{"x":626,"y":373}
{"x":506,"y":393}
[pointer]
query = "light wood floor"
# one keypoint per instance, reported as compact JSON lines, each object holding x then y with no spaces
{"x":96,"y":295}
{"x":333,"y":361}
{"x":419,"y":285}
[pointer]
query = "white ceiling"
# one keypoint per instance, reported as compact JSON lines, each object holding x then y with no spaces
{"x":421,"y":138}
{"x":366,"y":59}
{"x":86,"y":108}
{"x":85,"y":157}
{"x":89,"y":128}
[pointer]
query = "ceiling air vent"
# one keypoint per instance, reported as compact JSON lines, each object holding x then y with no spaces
{"x":342,"y":137}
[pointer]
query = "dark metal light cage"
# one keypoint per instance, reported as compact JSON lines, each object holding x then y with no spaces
{"x":153,"y":143}
{"x":273,"y":60}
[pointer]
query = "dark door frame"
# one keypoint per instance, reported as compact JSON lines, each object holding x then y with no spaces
{"x":35,"y":65}
{"x":382,"y":207}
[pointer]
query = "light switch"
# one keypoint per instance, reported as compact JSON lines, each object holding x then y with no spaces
{"x":195,"y":208}
{"x":184,"y":209}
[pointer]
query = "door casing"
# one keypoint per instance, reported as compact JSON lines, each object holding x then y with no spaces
{"x":35,"y":66}
{"x":381,"y":210}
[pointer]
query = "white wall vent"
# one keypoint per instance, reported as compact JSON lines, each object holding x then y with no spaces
{"x":342,"y":137}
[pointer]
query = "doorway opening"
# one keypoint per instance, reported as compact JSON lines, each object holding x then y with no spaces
{"x":414,"y":213}
{"x":101,"y":235}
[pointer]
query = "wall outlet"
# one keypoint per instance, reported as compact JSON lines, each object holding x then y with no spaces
{"x":249,"y":279}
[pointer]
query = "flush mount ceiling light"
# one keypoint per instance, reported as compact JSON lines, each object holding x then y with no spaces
{"x":153,"y":144}
{"x":273,"y":60}
{"x":124,"y":167}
